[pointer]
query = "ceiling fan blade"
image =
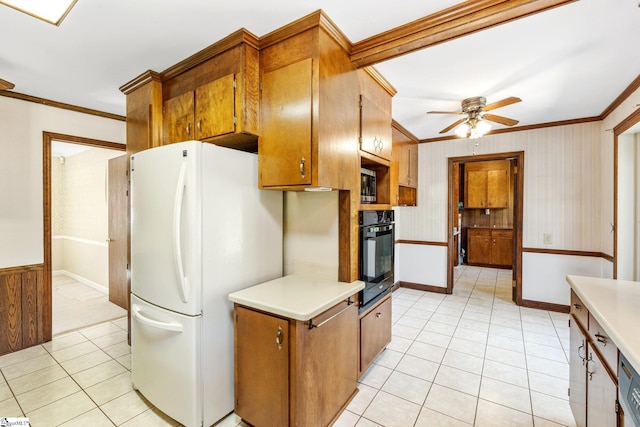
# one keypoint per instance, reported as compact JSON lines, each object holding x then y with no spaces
{"x":499,"y":119}
{"x":502,"y":103}
{"x":453,"y":125}
{"x":5,"y":85}
{"x":445,"y":112}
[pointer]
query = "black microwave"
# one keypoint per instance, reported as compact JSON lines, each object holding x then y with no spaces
{"x":367,"y":186}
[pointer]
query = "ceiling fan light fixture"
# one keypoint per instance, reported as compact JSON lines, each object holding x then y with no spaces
{"x":462,"y":130}
{"x":481,"y":128}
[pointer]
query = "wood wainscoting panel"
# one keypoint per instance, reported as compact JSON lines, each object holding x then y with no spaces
{"x":24,"y":305}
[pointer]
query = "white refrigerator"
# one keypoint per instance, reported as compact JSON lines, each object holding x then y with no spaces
{"x":200,"y":229}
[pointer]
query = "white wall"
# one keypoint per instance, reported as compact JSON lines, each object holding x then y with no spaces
{"x":311,"y":233}
{"x":562,"y":197}
{"x":21,"y":210}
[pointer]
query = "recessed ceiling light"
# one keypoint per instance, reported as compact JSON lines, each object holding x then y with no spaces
{"x":51,"y":11}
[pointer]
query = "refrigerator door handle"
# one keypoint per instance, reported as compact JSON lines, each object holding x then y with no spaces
{"x":177,"y":238}
{"x":176,"y":327}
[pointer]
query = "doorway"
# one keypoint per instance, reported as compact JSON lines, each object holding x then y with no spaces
{"x":456,"y":230}
{"x":81,"y":259}
{"x":626,"y":206}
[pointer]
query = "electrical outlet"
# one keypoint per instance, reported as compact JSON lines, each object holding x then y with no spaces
{"x":548,"y":238}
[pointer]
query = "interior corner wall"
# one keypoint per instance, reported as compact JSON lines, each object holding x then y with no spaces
{"x":21,"y":179}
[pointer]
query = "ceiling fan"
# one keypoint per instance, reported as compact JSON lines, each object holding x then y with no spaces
{"x":474,"y":125}
{"x":5,"y":85}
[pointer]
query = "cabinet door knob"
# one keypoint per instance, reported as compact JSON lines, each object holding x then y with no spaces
{"x":577,"y":306}
{"x":200,"y":125}
{"x":302,"y":173}
{"x":188,"y":129}
{"x":279,"y":338}
{"x":378,"y":315}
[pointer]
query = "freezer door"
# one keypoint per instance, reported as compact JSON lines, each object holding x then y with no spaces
{"x":166,"y":226}
{"x":165,"y":361}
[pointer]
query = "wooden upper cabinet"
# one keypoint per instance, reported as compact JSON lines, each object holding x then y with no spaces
{"x":408,"y":165}
{"x":285,"y":147}
{"x":375,"y":129}
{"x":178,"y":119}
{"x":144,"y":112}
{"x":487,"y":184}
{"x":205,"y":113}
{"x":404,"y":167}
{"x":309,"y":111}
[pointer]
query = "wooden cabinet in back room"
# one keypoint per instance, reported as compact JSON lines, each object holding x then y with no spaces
{"x":486,"y":184}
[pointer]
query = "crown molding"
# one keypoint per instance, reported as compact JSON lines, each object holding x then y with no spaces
{"x":56,"y":104}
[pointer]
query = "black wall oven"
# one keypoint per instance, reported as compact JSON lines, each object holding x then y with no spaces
{"x":376,"y":255}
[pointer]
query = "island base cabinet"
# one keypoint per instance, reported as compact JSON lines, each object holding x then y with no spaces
{"x":288,"y":374}
{"x":601,"y":394}
{"x":593,"y":386}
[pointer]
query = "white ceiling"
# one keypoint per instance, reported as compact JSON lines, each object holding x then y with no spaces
{"x":567,"y":63}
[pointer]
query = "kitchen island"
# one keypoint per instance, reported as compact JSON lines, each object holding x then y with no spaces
{"x":615,"y":305}
{"x":603,"y":327}
{"x":296,"y":350}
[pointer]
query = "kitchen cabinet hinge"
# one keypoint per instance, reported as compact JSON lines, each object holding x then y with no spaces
{"x":235,"y":120}
{"x":260,"y":86}
{"x":617,"y":407}
{"x":235,"y":84}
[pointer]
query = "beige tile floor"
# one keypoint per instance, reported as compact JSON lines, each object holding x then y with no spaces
{"x":471,"y":358}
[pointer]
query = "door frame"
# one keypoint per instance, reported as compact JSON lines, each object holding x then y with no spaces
{"x":630,"y":121}
{"x":47,"y":138}
{"x":517,"y":215}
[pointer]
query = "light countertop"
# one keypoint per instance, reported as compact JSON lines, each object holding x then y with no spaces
{"x":615,"y":304}
{"x":296,"y":297}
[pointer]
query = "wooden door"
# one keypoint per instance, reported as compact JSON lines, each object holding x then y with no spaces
{"x":577,"y":374}
{"x":178,"y":117}
{"x":261,"y":368}
{"x":215,"y":108}
{"x":498,"y":188}
{"x":475,"y":189}
{"x":375,"y":129}
{"x":286,"y":117}
{"x":118,"y":201}
{"x":601,"y":394}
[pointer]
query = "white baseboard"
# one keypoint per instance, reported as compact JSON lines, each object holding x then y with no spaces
{"x":82,"y":280}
